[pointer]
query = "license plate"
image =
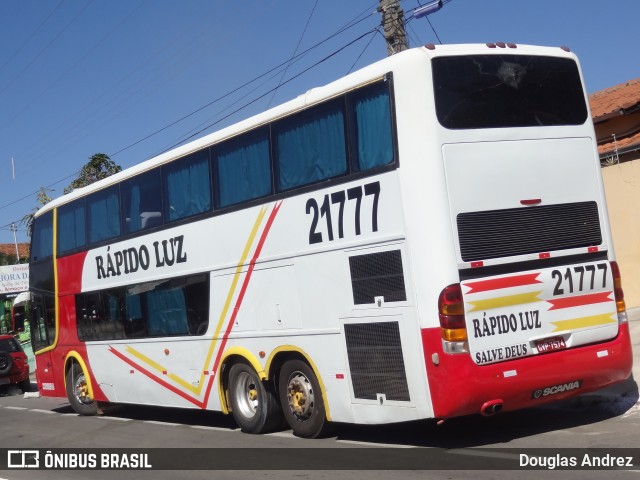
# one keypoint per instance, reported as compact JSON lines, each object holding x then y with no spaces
{"x":550,"y":344}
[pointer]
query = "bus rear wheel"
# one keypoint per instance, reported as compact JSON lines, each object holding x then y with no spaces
{"x":78,"y":392}
{"x":253,"y":403}
{"x":301,"y":399}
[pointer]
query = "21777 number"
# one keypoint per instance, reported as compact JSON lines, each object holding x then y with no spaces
{"x":340,"y":198}
{"x":580,"y":278}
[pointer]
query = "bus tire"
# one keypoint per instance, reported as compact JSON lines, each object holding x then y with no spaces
{"x":78,"y":394}
{"x":301,"y":400}
{"x":254,"y":404}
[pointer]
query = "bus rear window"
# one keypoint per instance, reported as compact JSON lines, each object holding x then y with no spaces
{"x":501,"y":91}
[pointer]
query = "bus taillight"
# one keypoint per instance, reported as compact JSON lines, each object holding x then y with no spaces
{"x":452,"y":323}
{"x":617,"y":289}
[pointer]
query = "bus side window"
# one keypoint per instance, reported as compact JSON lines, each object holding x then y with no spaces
{"x":166,"y":312}
{"x":83,"y":319}
{"x":142,"y":202}
{"x":71,"y":226}
{"x":134,"y":323}
{"x":187,"y":186}
{"x":243,"y":168}
{"x":42,"y":321}
{"x":310,"y":146}
{"x":103,"y":217}
{"x":371,"y":132}
{"x":42,"y":237}
{"x":18,"y":319}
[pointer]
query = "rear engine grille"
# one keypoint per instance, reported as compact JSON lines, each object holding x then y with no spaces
{"x":519,"y":231}
{"x":375,"y":361}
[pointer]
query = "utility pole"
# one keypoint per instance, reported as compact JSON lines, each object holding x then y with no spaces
{"x":393,"y":25}
{"x":15,"y":241}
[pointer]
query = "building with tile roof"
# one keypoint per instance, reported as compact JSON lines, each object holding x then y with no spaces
{"x":616,"y":117}
{"x":9,"y":250}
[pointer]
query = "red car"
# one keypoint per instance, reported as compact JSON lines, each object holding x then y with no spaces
{"x":14,"y":365}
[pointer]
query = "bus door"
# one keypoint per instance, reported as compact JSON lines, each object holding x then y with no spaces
{"x":43,"y":335}
{"x":19,"y":311}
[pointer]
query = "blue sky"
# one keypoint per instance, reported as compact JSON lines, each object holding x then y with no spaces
{"x":79,"y":77}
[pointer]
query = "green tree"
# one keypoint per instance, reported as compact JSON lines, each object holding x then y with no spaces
{"x":43,"y":197}
{"x":98,"y":167}
{"x":11,"y":259}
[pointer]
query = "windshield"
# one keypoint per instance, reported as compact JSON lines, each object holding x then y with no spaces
{"x":499,"y":91}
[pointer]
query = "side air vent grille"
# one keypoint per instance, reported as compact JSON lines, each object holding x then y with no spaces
{"x":519,"y":231}
{"x":377,"y":275}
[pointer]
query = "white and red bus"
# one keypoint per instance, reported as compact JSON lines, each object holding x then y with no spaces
{"x":424,"y":238}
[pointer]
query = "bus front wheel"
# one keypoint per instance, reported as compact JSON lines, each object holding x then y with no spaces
{"x":253,"y":403}
{"x":78,"y":392}
{"x":301,"y":400}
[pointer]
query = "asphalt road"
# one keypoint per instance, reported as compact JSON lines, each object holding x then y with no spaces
{"x":469,"y":447}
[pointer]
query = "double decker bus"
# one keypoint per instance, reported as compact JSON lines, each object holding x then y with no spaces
{"x":424,"y":238}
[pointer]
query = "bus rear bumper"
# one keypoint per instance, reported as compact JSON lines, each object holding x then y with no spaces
{"x":460,"y":387}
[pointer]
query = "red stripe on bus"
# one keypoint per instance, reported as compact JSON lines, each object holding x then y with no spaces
{"x":70,"y":273}
{"x":580,"y":300}
{"x":239,"y":300}
{"x":166,"y":385}
{"x":506,"y":282}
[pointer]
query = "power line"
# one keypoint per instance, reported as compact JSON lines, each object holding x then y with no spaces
{"x":352,"y":23}
{"x":364,"y":50}
{"x":60,"y":77}
{"x":33,"y":34}
{"x":349,"y":25}
{"x":46,"y":47}
{"x":436,"y":6}
{"x":269,"y":91}
{"x":356,"y":20}
{"x":74,"y":131}
{"x":434,"y":31}
{"x":292,"y":60}
{"x":284,"y":72}
{"x":214,"y":123}
{"x":229,"y":106}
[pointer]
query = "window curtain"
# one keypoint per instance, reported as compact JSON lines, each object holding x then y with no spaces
{"x":311,"y":151}
{"x":42,"y":239}
{"x":71,"y":227}
{"x":133,"y":309}
{"x":104,"y":215}
{"x":142,"y":201}
{"x":375,"y":147}
{"x":134,"y":209}
{"x":188,"y":189}
{"x":244,"y":172}
{"x":166,"y":312}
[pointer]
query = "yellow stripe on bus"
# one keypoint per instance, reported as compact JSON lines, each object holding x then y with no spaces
{"x":177,"y":379}
{"x":499,"y":302}
{"x":234,"y":284}
{"x":161,"y":369}
{"x":584,"y":322}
